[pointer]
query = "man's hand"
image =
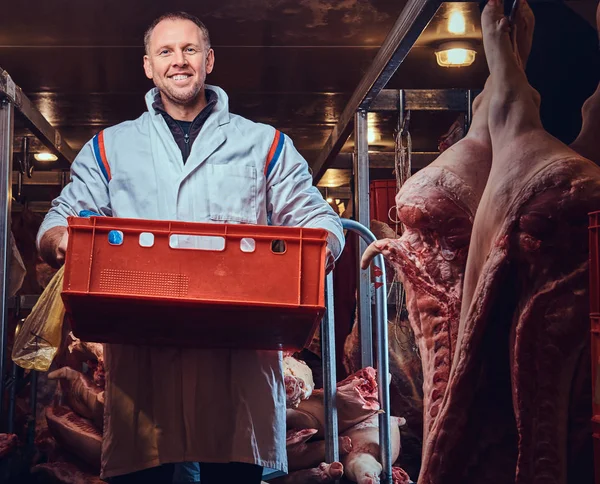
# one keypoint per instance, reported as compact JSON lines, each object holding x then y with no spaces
{"x":53,"y":246}
{"x":329,"y":261}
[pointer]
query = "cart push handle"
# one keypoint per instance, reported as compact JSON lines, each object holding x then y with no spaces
{"x":328,"y":361}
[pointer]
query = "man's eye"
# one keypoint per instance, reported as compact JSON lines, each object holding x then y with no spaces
{"x":191,"y":50}
{"x":164,"y":52}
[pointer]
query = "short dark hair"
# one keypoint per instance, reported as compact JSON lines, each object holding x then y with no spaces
{"x":176,"y":16}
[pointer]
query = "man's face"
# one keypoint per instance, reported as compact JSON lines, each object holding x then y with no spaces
{"x":178,"y":60}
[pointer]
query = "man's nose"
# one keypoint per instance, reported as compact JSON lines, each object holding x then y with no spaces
{"x":179,"y":59}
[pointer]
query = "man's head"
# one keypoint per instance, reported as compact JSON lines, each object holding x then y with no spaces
{"x":178,"y":57}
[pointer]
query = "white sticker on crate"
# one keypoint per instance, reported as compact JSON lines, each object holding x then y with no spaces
{"x":197,"y":242}
{"x":146,"y":239}
{"x":247,"y":244}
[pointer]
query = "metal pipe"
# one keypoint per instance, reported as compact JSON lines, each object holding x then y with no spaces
{"x":332,"y":451}
{"x":12,"y":395}
{"x":469,"y":110}
{"x":33,"y":380}
{"x":383,"y":364}
{"x":12,"y":398}
{"x":6,"y":136}
{"x":401,"y":108}
{"x":362,"y":215}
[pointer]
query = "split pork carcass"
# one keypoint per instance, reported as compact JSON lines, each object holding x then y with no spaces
{"x":524,"y":317}
{"x":437,"y":207}
{"x":521,"y":308}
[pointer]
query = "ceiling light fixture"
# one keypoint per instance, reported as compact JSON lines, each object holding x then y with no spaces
{"x":456,"y":23}
{"x":45,"y":156}
{"x":455,"y":55}
{"x":373,"y":134}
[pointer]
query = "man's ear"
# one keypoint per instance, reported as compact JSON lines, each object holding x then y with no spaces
{"x":210,"y":60}
{"x":148,"y":67}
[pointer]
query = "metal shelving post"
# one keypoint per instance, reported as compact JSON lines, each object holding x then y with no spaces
{"x":6,"y":137}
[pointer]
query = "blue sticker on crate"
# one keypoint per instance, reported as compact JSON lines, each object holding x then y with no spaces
{"x":115,"y":237}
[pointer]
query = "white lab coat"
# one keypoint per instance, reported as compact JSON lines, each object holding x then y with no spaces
{"x":170,"y":404}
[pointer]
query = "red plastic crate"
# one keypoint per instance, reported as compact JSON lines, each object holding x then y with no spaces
{"x":595,"y":344}
{"x":597,"y":457}
{"x":382,"y":201}
{"x":594,"y":262}
{"x":191,"y":297}
{"x":594,"y":265}
{"x":596,"y":443}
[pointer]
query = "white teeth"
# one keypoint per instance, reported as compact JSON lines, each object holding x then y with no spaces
{"x":180,"y":77}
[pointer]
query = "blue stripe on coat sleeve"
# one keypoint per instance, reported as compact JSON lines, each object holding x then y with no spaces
{"x":276,"y":155}
{"x":96,"y":146}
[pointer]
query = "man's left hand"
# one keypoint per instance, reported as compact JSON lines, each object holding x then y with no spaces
{"x":329,"y":261}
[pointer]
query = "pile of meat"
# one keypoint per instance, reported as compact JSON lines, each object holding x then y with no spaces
{"x":75,"y":422}
{"x":358,"y":408}
{"x":71,"y":433}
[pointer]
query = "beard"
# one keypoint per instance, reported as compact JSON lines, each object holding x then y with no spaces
{"x":182,"y":97}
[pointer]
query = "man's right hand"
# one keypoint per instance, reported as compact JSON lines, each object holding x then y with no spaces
{"x":53,"y":246}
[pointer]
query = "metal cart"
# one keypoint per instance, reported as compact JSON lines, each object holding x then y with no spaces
{"x":329,"y":365}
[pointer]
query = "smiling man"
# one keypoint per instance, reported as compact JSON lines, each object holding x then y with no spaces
{"x":187,"y":158}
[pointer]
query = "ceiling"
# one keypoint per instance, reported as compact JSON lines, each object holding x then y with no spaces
{"x":290,"y":63}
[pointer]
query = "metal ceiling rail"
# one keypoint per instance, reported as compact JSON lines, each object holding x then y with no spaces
{"x":412,"y":21}
{"x":43,"y":178}
{"x":385,"y":160}
{"x":36,"y":122}
{"x":36,"y":207}
{"x":424,"y":100}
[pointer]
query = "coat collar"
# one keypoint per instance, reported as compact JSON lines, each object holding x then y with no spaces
{"x":220,"y":111}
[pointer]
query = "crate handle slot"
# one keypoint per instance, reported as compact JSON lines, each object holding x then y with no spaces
{"x":278,"y":246}
{"x":197,"y":242}
{"x":247,"y":244}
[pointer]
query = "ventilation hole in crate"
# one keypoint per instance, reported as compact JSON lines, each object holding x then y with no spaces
{"x":278,"y":246}
{"x":115,"y":237}
{"x":247,"y":245}
{"x":146,"y":239}
{"x":117,"y":281}
{"x":197,"y":242}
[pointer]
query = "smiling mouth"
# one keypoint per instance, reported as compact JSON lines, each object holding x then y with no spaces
{"x":180,"y":77}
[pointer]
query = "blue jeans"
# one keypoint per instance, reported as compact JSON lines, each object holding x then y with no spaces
{"x":186,"y":472}
{"x":217,"y":473}
{"x":162,"y":474}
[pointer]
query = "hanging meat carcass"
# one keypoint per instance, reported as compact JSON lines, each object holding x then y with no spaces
{"x":524,"y":320}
